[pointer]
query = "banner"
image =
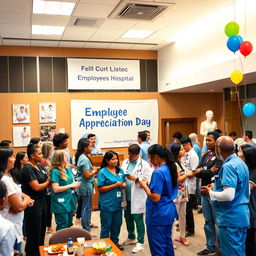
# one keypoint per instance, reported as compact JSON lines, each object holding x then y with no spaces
{"x":101,"y":74}
{"x":116,"y":123}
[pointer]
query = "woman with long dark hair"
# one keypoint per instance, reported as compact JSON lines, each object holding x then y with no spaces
{"x":17,"y":201}
{"x":85,"y":175}
{"x":20,"y":160}
{"x":248,"y":154}
{"x":34,"y":183}
{"x":160,"y":208}
{"x":110,"y":182}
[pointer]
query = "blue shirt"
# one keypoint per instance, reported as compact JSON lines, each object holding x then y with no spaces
{"x":111,"y":200}
{"x":164,"y":211}
{"x":144,"y":150}
{"x":235,"y":174}
{"x":198,"y":151}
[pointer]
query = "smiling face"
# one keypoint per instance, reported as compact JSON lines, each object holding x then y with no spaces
{"x":10,"y":163}
{"x":210,"y":142}
{"x":113,"y":162}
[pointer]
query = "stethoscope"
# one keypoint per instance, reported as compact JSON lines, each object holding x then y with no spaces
{"x":138,"y":172}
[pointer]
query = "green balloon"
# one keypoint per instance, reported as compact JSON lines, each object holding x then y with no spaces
{"x":232,"y":29}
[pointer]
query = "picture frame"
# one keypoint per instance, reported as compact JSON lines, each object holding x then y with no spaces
{"x":47,"y":112}
{"x":21,"y":113}
{"x":21,"y":136}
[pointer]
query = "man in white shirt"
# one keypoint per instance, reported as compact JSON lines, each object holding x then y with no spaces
{"x":7,"y":235}
{"x":22,"y":116}
{"x":191,"y":162}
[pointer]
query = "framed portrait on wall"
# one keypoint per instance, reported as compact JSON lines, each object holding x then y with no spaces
{"x":21,"y":136}
{"x":20,"y":113}
{"x":47,"y":112}
{"x":47,"y":132}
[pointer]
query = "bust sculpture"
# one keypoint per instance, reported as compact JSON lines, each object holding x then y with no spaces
{"x":208,"y":125}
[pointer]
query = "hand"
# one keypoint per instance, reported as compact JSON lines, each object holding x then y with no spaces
{"x":76,"y":184}
{"x":205,"y":190}
{"x":95,"y":169}
{"x":131,"y":177}
{"x":214,"y":168}
{"x":190,"y":174}
{"x":31,"y":203}
{"x":119,"y":184}
{"x":198,"y":170}
{"x":143,"y":183}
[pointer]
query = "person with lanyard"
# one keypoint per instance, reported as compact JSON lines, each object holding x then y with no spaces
{"x":63,"y":200}
{"x":160,"y":208}
{"x":34,"y":182}
{"x":110,"y":182}
{"x":208,"y":167}
{"x":135,"y":169}
{"x":230,"y":197}
{"x":144,"y":145}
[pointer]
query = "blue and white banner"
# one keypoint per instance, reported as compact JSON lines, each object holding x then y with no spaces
{"x":101,"y":74}
{"x":116,"y":123}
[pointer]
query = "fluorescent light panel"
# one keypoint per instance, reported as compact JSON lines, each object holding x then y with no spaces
{"x":47,"y":30}
{"x":137,"y":33}
{"x":52,"y":7}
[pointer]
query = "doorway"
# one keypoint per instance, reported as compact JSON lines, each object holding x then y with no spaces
{"x":171,"y":125}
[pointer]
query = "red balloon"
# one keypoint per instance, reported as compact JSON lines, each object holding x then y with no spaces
{"x":246,"y":48}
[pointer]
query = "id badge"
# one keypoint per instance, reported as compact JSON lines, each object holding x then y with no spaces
{"x":61,"y":200}
{"x":118,"y":194}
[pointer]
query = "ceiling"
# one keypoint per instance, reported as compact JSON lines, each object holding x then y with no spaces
{"x":16,"y":19}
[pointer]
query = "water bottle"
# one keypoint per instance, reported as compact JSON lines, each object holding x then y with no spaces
{"x":70,"y":246}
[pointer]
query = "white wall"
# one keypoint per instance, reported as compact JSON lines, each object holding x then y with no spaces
{"x":200,"y":55}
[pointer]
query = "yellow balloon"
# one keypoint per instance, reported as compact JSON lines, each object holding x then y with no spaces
{"x":236,"y":76}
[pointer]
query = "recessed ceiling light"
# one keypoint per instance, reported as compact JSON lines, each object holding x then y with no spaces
{"x":47,"y":30}
{"x":52,"y":7}
{"x":137,"y":33}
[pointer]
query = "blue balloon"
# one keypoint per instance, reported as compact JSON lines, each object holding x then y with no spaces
{"x":241,"y":39}
{"x":233,"y":43}
{"x":248,"y":109}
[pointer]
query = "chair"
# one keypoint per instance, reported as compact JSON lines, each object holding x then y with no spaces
{"x":62,"y":235}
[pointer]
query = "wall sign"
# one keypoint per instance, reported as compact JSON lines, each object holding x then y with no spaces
{"x":116,"y":123}
{"x":101,"y":74}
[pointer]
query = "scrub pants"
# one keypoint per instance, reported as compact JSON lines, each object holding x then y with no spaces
{"x":63,"y":220}
{"x":138,"y":219}
{"x":86,"y":210}
{"x":209,"y":226}
{"x":232,"y":241}
{"x":110,"y":224}
{"x":189,"y":213}
{"x":36,"y":225}
{"x":160,"y":240}
{"x":250,"y":244}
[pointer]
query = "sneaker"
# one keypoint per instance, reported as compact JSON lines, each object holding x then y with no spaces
{"x":139,"y":247}
{"x":129,"y":241}
{"x":206,"y":252}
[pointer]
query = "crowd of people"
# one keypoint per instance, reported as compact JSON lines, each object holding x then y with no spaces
{"x":164,"y":184}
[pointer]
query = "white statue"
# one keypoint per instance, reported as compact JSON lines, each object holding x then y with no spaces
{"x":208,"y":125}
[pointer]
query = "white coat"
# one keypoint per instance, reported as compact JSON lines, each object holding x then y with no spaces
{"x":143,"y":171}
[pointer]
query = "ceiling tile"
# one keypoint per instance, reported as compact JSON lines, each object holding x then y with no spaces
{"x":50,"y":20}
{"x":118,"y":23}
{"x":120,"y":46}
{"x":93,"y":10}
{"x":16,"y":42}
{"x":44,"y":43}
{"x":106,"y":35}
{"x":53,"y":37}
{"x":14,"y":18}
{"x":110,"y":2}
{"x":78,"y":33}
{"x":97,"y":45}
{"x":15,"y":5}
{"x":155,"y":26}
{"x":14,"y":28}
{"x":71,"y":44}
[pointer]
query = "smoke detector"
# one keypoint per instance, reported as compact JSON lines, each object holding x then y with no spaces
{"x":139,"y":10}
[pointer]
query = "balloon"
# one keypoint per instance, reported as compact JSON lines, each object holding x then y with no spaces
{"x":248,"y":109}
{"x":236,"y":76}
{"x":241,"y":39}
{"x":232,"y":29}
{"x":233,"y":43}
{"x":246,"y":48}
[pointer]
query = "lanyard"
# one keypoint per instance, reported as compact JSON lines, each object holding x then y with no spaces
{"x":209,"y":157}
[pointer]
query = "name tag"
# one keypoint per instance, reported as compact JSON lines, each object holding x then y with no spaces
{"x":205,"y":168}
{"x":61,"y":200}
{"x":118,"y":194}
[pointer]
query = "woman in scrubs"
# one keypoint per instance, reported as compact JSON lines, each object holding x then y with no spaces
{"x":110,"y":183}
{"x":160,"y":208}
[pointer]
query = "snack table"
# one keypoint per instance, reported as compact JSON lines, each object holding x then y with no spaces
{"x":87,"y":251}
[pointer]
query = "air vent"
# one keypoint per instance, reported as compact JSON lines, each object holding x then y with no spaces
{"x":138,"y":10}
{"x":87,"y":22}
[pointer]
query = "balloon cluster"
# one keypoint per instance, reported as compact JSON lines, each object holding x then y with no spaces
{"x":235,"y":42}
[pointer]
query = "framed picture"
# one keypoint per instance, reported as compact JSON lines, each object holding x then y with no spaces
{"x":21,"y":136}
{"x":20,"y":113}
{"x":47,"y":112}
{"x":47,"y":132}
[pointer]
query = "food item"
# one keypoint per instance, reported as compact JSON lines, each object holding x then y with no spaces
{"x":58,"y":248}
{"x":100,"y":247}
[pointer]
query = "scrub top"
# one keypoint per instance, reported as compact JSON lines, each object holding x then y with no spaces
{"x":164,"y":211}
{"x":64,"y":201}
{"x":86,"y":185}
{"x":111,"y":200}
{"x":130,"y":168}
{"x":235,"y":174}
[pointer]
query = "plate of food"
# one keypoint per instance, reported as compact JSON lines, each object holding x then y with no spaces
{"x":99,"y":247}
{"x":56,"y":249}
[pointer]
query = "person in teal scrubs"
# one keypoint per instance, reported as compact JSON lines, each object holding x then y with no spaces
{"x":85,"y":175}
{"x":63,"y":201}
{"x":110,"y":183}
{"x":160,"y":208}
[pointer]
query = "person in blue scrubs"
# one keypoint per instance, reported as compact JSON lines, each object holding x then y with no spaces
{"x":160,"y":208}
{"x":230,"y":198}
{"x":110,"y":183}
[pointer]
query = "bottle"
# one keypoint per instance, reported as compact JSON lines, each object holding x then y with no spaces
{"x":70,"y":246}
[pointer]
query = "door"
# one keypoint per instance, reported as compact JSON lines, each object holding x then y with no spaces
{"x":183,"y":125}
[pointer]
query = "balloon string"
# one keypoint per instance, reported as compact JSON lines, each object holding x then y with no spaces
{"x":245,"y":18}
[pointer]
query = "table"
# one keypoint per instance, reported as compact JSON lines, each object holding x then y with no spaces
{"x":87,"y":251}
